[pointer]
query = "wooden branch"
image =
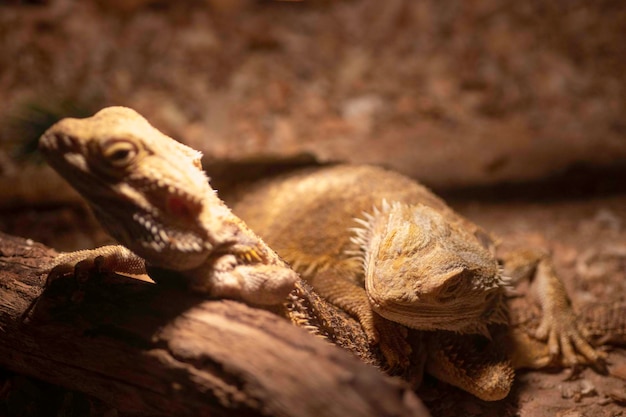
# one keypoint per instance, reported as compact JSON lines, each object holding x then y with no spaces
{"x":154,"y":350}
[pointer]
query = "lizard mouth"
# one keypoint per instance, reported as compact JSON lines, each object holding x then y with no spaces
{"x":159,"y":219}
{"x":178,"y":219}
{"x":469,"y":316}
{"x":178,"y":246}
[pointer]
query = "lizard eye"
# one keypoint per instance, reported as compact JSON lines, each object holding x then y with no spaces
{"x":119,"y":152}
{"x":451,"y":288}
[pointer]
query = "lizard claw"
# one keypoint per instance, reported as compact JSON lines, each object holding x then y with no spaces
{"x":566,"y":337}
{"x":567,"y":340}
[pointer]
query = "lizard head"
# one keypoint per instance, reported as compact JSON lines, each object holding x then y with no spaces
{"x":144,"y":187}
{"x":428,"y":273}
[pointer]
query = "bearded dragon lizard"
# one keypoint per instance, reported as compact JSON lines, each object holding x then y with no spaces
{"x":392,"y":254}
{"x":408,"y":260}
{"x":151,"y":194}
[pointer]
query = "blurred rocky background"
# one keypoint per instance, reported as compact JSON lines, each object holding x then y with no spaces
{"x":453,"y":92}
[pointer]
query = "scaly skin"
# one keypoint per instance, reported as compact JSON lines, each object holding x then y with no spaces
{"x":151,"y":194}
{"x":392,"y":254}
{"x":605,"y":324}
{"x":479,"y":366}
{"x":375,"y":243}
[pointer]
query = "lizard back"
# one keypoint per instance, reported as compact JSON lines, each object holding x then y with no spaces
{"x":306,"y":216}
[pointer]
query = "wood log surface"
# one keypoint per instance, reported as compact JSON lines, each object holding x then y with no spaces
{"x":157,"y":350}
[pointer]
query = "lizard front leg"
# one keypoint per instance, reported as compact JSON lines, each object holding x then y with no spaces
{"x":225,"y":276}
{"x":559,"y":325}
{"x":335,"y":286}
{"x":111,"y":258}
{"x":235,"y":276}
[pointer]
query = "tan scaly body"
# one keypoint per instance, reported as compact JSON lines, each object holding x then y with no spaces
{"x":388,"y":251}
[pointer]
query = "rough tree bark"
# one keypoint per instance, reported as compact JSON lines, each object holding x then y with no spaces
{"x":157,"y":350}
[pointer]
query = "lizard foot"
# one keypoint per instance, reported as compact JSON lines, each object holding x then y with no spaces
{"x":258,"y":284}
{"x":567,"y":339}
{"x":81,"y":264}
